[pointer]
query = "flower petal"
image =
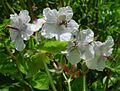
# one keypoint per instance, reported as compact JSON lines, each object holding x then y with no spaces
{"x":66,"y":11}
{"x":107,"y":46}
{"x":52,"y":28}
{"x":15,"y":20}
{"x":72,"y":26}
{"x":27,"y":32}
{"x":50,"y":15}
{"x":87,"y":52}
{"x":13,"y":34}
{"x":74,"y":56}
{"x":86,"y":36}
{"x":96,"y":64}
{"x":48,"y":35}
{"x":65,"y":37}
{"x":24,"y":16}
{"x":37,"y":24}
{"x":19,"y":44}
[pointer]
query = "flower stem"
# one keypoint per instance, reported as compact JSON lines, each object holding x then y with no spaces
{"x":30,"y":5}
{"x":68,"y":82}
{"x":69,"y":85}
{"x":84,"y":72}
{"x":84,"y":83}
{"x":10,"y":8}
{"x":62,"y":3}
{"x":49,"y":76}
{"x":15,"y":60}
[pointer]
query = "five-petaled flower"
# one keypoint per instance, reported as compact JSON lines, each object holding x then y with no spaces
{"x":81,"y":48}
{"x":101,"y":52}
{"x":59,"y":23}
{"x":21,"y":29}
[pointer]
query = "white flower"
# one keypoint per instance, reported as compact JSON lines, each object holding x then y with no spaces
{"x":21,"y":29}
{"x":102,"y":51}
{"x":58,"y":23}
{"x":84,"y":39}
{"x":81,"y":48}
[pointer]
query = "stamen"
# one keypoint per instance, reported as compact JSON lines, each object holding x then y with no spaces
{"x":63,"y":23}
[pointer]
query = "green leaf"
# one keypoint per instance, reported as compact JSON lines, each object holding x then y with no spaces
{"x":55,"y":46}
{"x":36,"y":64}
{"x":4,"y":89}
{"x":40,"y":81}
{"x":78,"y":84}
{"x":22,"y":62}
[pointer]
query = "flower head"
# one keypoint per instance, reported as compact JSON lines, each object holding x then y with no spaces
{"x":102,"y":52}
{"x":81,"y":48}
{"x":58,"y":23}
{"x":21,"y":29}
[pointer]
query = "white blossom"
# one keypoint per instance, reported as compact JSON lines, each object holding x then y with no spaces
{"x":81,"y":48}
{"x":102,"y":52}
{"x":59,"y":23}
{"x":21,"y":29}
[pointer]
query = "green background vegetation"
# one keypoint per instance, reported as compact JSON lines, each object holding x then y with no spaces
{"x":26,"y":70}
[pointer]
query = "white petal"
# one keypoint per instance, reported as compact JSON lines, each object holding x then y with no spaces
{"x":72,"y":26}
{"x":87,"y":52}
{"x":96,"y":64}
{"x":52,"y":28}
{"x":19,"y":44}
{"x":106,"y":47}
{"x":65,"y":37}
{"x":27,"y":32}
{"x":74,"y":56}
{"x":24,"y":16}
{"x":13,"y":34}
{"x":37,"y":24}
{"x":86,"y":36}
{"x":15,"y":20}
{"x":109,"y":42}
{"x":50,"y":15}
{"x":47,"y":35}
{"x":66,"y":11}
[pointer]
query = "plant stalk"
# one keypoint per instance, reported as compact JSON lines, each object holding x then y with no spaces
{"x":49,"y":76}
{"x":68,"y":82}
{"x":84,"y":72}
{"x":15,"y":60}
{"x":84,"y":82}
{"x":69,"y":85}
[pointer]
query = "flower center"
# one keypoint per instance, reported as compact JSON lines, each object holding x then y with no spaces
{"x":63,"y":22}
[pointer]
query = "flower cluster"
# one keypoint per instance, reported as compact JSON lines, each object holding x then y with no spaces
{"x":60,"y":25}
{"x":95,"y":53}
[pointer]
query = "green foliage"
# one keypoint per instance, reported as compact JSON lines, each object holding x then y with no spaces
{"x":55,"y":46}
{"x":36,"y":64}
{"x":25,"y":71}
{"x":40,"y":81}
